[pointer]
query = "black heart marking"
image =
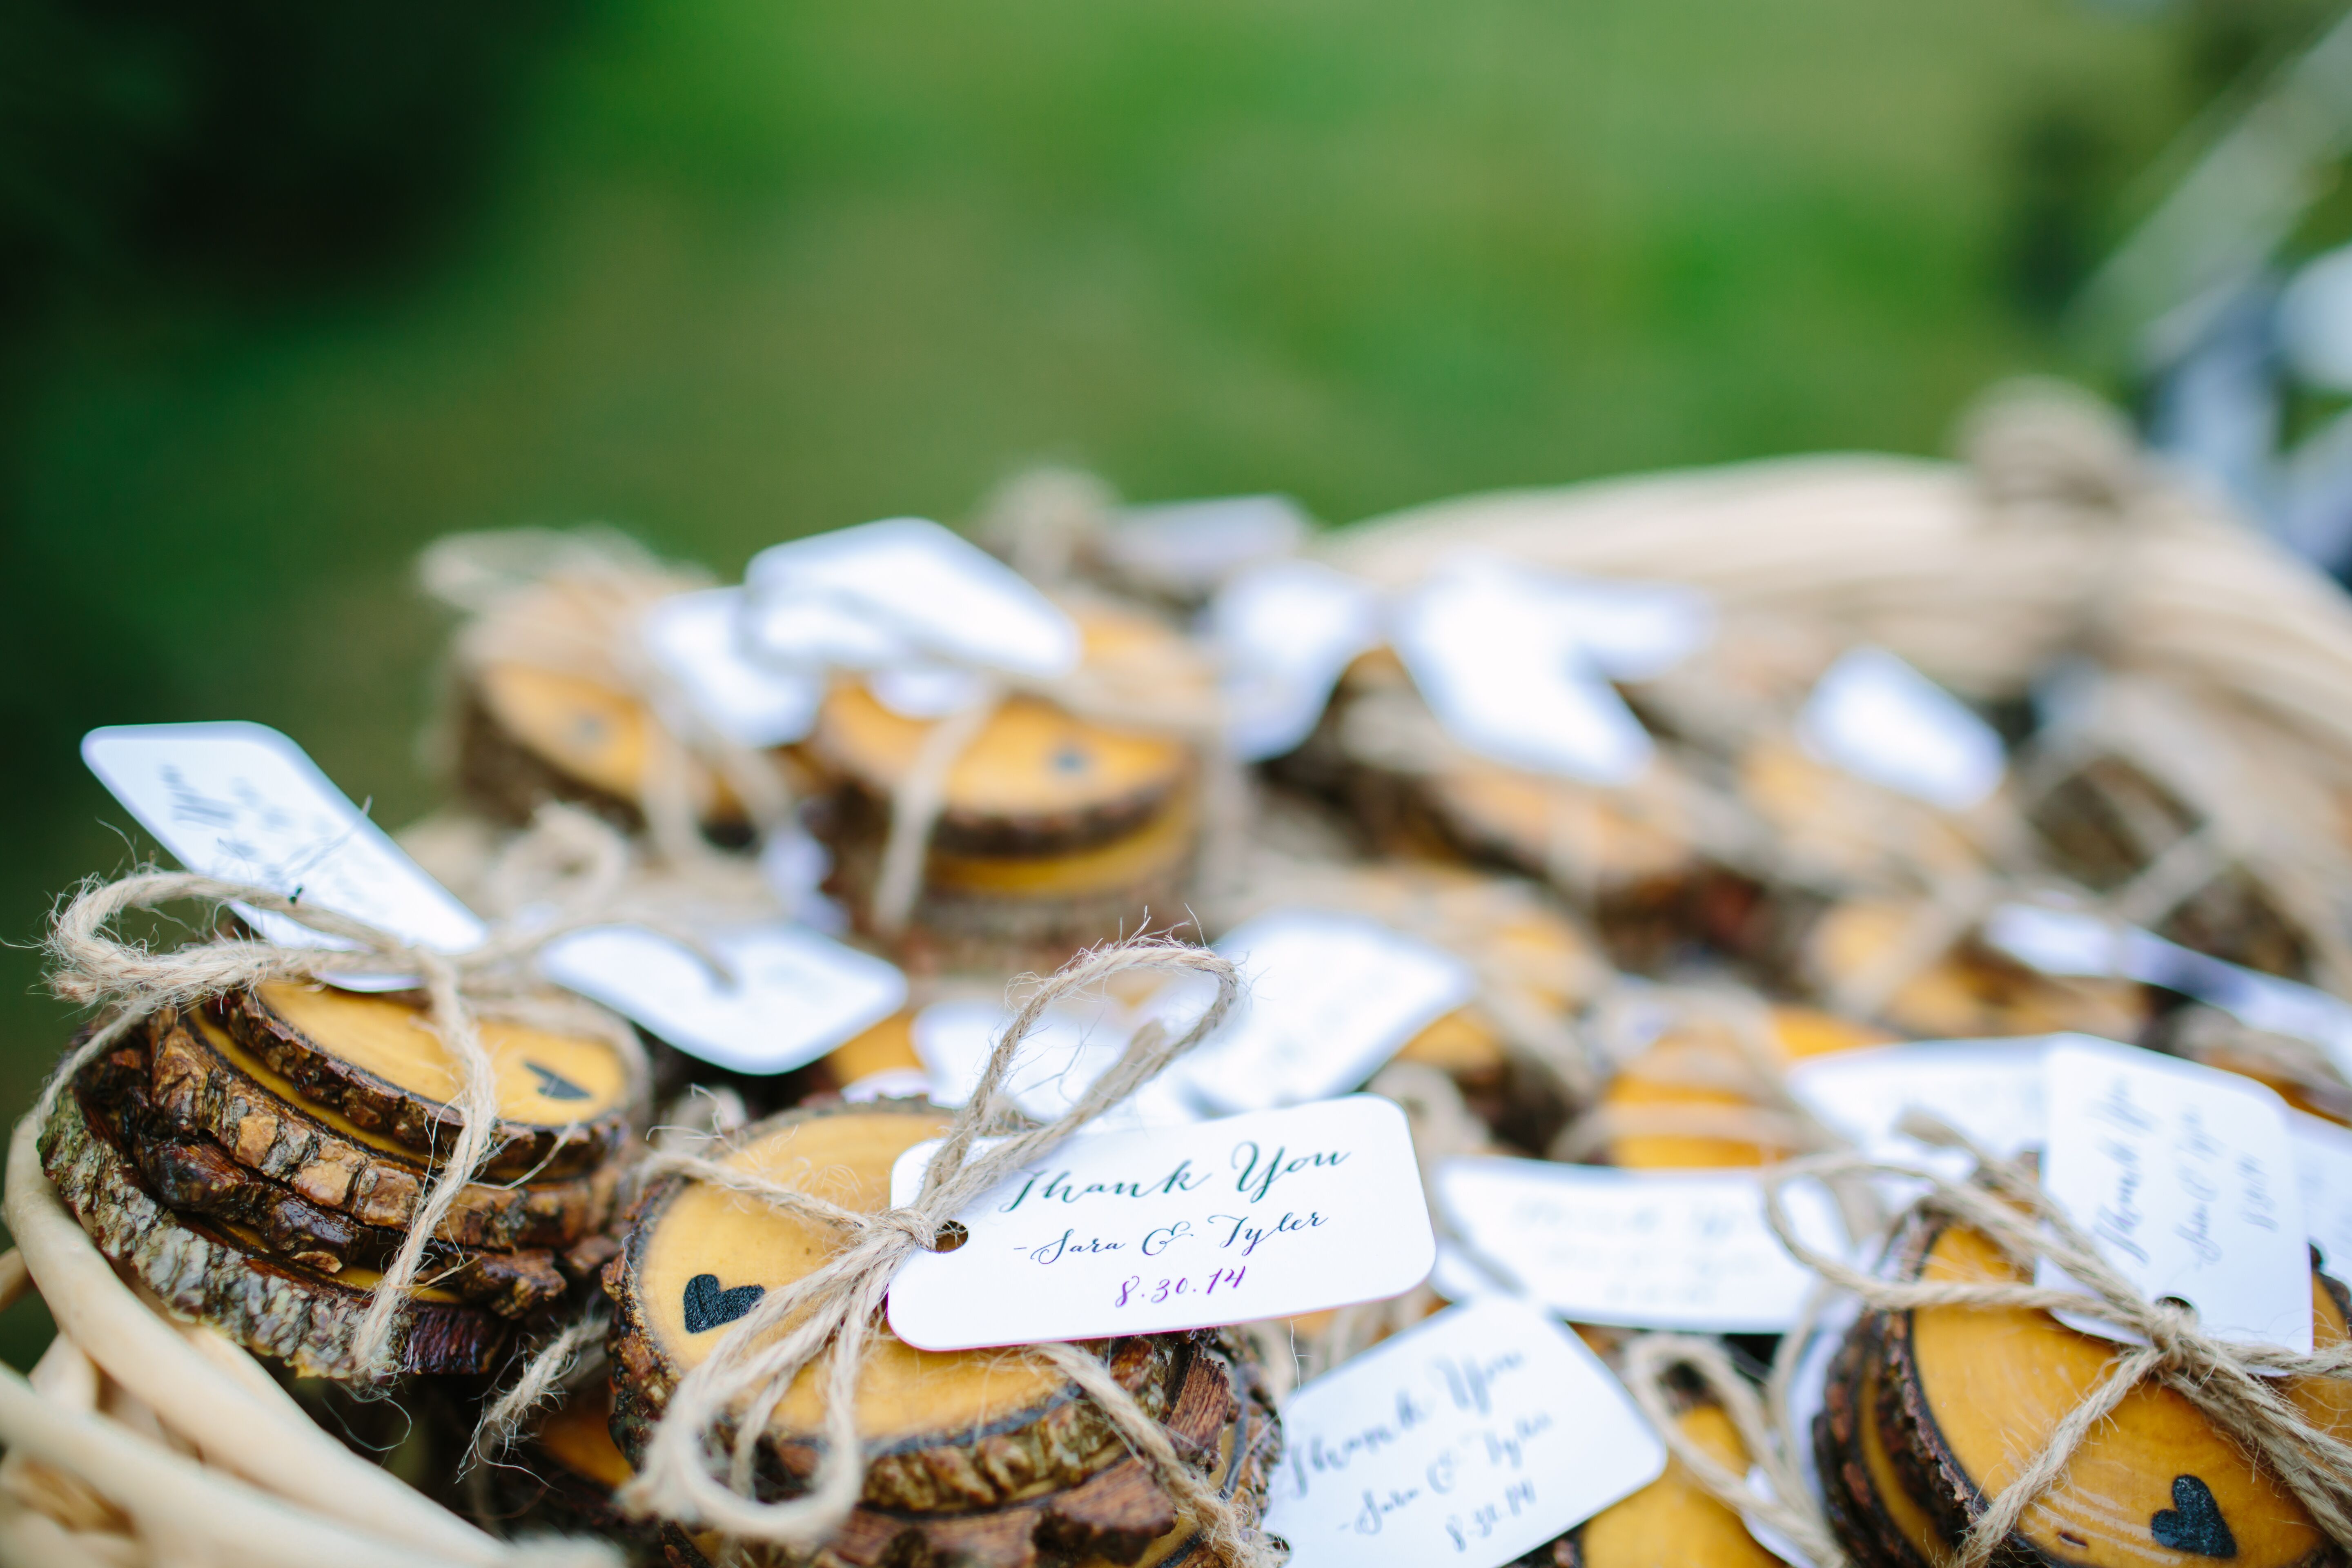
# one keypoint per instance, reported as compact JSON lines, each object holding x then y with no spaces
{"x":708,"y":1307}
{"x":2194,"y":1521}
{"x":554,"y":1085}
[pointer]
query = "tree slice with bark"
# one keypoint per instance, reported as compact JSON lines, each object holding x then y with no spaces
{"x":564,"y":1100}
{"x":1966,"y":1396}
{"x":208,"y":1272}
{"x":963,"y":1430}
{"x":1117,"y":1516}
{"x":195,"y":1175}
{"x":201,"y":1082}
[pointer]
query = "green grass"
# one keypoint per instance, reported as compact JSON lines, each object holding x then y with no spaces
{"x":759,"y":267}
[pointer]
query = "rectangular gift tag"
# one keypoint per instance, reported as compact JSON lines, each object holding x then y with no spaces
{"x":1878,"y":719}
{"x":2323,"y":1165}
{"x":793,"y":996}
{"x":2075,"y":942}
{"x":1069,"y":1048}
{"x":696,"y":639}
{"x":1990,"y":1089}
{"x":944,"y":596}
{"x":1265,"y":1215}
{"x":1471,"y":1438}
{"x":2185,"y":1178}
{"x":243,"y":803}
{"x":1191,"y":546}
{"x":1284,"y":633}
{"x":1502,"y":668}
{"x":1638,"y":1249}
{"x":1329,"y":998}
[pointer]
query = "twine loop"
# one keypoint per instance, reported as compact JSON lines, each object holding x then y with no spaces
{"x":94,"y":967}
{"x":2225,"y":1380}
{"x":828,"y":1319}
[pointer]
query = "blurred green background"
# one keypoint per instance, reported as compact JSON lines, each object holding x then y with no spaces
{"x":287,"y":290}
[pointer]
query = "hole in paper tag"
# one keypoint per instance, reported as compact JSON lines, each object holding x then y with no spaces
{"x":1151,"y":1231}
{"x":2184,"y":1178}
{"x":243,"y":803}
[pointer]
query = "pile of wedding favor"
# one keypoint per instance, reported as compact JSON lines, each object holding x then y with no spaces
{"x":1782,"y":1016}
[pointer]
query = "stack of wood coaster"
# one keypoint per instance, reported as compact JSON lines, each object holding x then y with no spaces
{"x":1695,"y":1070}
{"x":1966,"y":990}
{"x":527,"y":734}
{"x":1631,"y":857}
{"x":256,"y":1162}
{"x":1929,"y":1415}
{"x":983,"y":1458}
{"x":1057,"y":831}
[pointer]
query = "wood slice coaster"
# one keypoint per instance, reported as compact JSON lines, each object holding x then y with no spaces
{"x":1114,"y":1517}
{"x":564,"y":1100}
{"x":1969,"y":992}
{"x":1036,"y":780}
{"x":1010,"y":913}
{"x":200,"y":1082}
{"x":1878,"y":1521}
{"x":1659,"y":1080}
{"x":1834,"y":829}
{"x":964,"y":1430}
{"x":208,"y":1272}
{"x":1964,"y":1397}
{"x":527,"y":736}
{"x":1672,"y":1521}
{"x":196,"y":1175}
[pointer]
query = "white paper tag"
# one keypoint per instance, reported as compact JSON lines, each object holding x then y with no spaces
{"x":2323,"y":1165}
{"x":902,"y":590}
{"x":1069,"y":1048}
{"x":243,"y":803}
{"x":1191,"y":546}
{"x":1990,"y":1089}
{"x":2076,"y":942}
{"x":1471,"y":1438}
{"x":695,"y":638}
{"x":1265,"y":1215}
{"x":793,"y":995}
{"x":2185,"y":1178}
{"x":1878,"y":719}
{"x":1500,"y":663}
{"x":1670,"y":1249}
{"x":1284,"y":634}
{"x":1329,"y":998}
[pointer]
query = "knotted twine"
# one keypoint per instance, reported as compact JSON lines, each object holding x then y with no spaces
{"x":2222,"y":1379}
{"x":1131,"y":694}
{"x":572,"y":604}
{"x":95,"y":968}
{"x":828,"y":1319}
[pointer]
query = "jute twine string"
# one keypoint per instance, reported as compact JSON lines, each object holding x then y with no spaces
{"x":1135,"y":695}
{"x":571,"y":604}
{"x":2223,"y":1379}
{"x":94,"y":968}
{"x":1443,"y":1127}
{"x":828,"y":1318}
{"x":1650,"y":1360}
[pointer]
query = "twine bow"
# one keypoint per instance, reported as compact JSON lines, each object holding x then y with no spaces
{"x":96,"y":968}
{"x":828,"y":1319}
{"x":2223,"y":1378}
